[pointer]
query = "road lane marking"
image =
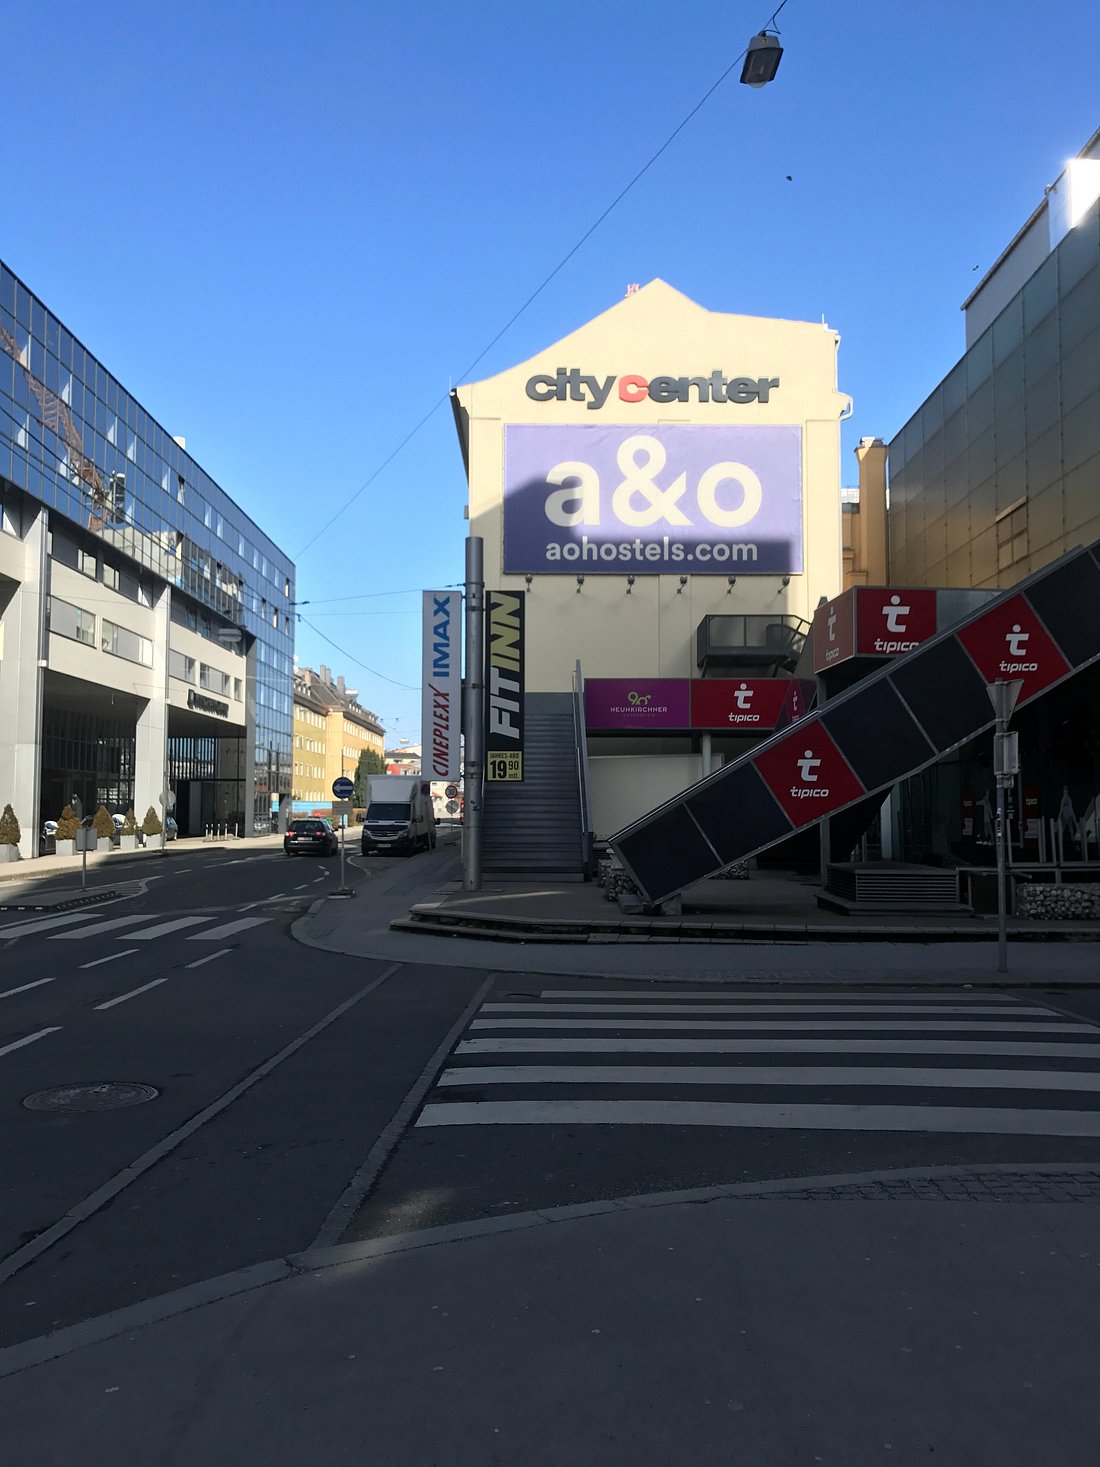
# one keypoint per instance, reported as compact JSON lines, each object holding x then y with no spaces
{"x":336,"y":1224}
{"x":110,"y":958}
{"x":925,"y":1078}
{"x":147,"y":934}
{"x":957,"y":1120}
{"x":145,"y":987}
{"x":838,"y":1025}
{"x":19,"y":1043}
{"x":94,"y":1201}
{"x":110,"y":926}
{"x":181,"y":870}
{"x":302,"y":887}
{"x":209,"y":957}
{"x":770,"y":996}
{"x":44,"y":924}
{"x":38,"y":982}
{"x":227,"y":929}
{"x":760,"y":1008}
{"x":1009,"y":1047}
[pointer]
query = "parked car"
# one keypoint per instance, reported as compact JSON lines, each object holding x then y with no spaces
{"x":311,"y":835}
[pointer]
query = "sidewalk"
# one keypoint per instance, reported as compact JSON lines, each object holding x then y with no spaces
{"x":764,"y":908}
{"x":767,"y":930}
{"x":843,"y":1322}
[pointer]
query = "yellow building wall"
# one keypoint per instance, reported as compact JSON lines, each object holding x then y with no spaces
{"x":309,"y":755}
{"x":654,"y":332}
{"x":344,"y":742}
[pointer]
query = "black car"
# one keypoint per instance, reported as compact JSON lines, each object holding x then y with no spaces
{"x":316,"y":836}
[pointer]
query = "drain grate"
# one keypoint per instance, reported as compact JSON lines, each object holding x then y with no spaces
{"x":98,"y":1095}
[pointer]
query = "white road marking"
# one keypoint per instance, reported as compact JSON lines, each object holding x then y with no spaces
{"x":19,"y":1043}
{"x":181,"y":870}
{"x":248,"y":906}
{"x":38,"y":982}
{"x":761,"y":1008}
{"x":209,"y":958}
{"x":931,"y":1079}
{"x":957,"y":1120}
{"x":163,"y":928}
{"x":1006,"y":1048}
{"x":227,"y":929}
{"x":278,"y":897}
{"x":316,"y":879}
{"x":44,"y":924}
{"x":771,"y":996}
{"x":110,"y":926}
{"x":110,"y":958}
{"x":145,"y":987}
{"x":302,"y":887}
{"x":743,"y":1025}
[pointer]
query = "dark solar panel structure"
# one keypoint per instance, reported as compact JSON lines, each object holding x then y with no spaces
{"x":898,"y":720}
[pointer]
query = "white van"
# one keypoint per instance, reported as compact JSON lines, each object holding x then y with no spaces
{"x":399,"y":818}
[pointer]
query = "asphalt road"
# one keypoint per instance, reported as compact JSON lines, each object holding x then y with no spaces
{"x":304,"y":1097}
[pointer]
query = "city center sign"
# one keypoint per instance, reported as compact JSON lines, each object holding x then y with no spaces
{"x":570,"y":384}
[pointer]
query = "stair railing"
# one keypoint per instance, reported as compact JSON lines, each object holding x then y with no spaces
{"x":584,"y":788}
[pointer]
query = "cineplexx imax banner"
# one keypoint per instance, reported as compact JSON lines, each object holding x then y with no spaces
{"x":441,"y":684}
{"x":654,"y":500}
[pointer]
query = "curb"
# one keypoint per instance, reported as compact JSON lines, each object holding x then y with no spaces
{"x":518,"y":929}
{"x":44,"y":1348}
{"x":80,"y":901}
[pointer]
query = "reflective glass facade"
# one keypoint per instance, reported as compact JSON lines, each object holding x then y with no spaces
{"x":73,"y":438}
{"x":998,"y":472}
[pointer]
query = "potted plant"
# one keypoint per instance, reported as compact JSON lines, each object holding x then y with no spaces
{"x":67,"y":827}
{"x":153,"y":830}
{"x":127,"y":835}
{"x":104,"y":828}
{"x":9,"y":835}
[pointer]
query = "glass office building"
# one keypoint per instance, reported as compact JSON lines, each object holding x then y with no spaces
{"x":146,"y":622}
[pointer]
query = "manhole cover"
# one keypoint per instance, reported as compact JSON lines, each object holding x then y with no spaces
{"x":105,"y":1095}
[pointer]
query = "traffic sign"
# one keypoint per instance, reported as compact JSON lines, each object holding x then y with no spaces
{"x":452,"y":806}
{"x":343,"y":788}
{"x":451,"y":792}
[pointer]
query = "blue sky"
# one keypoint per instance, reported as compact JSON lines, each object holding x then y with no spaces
{"x":289,"y":229}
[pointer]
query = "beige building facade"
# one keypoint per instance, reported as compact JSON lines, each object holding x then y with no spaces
{"x":663,"y":480}
{"x":331,"y":730}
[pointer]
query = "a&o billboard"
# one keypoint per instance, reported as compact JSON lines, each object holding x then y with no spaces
{"x":441,"y":684}
{"x":652,"y":500}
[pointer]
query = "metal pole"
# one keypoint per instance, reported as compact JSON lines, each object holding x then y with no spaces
{"x":473,"y":714}
{"x":999,"y":761}
{"x":83,"y":859}
{"x":705,"y":753}
{"x":343,"y":877}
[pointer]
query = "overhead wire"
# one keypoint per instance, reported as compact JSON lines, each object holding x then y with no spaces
{"x":514,"y":317}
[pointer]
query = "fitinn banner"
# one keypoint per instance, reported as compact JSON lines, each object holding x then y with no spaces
{"x":504,"y":681}
{"x":441,"y":681}
{"x":612,"y":500}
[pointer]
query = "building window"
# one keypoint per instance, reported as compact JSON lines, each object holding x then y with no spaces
{"x":110,"y":576}
{"x":181,"y":667}
{"x":1012,"y":536}
{"x":122,"y":642}
{"x":86,"y":563}
{"x":238,"y":689}
{"x":70,"y":621}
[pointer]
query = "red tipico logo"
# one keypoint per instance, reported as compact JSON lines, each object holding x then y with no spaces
{"x":1010,"y":643}
{"x":751,"y":705}
{"x":891,"y":623}
{"x":807,"y":774}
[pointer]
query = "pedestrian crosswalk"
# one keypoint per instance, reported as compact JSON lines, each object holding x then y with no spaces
{"x":946,"y":1062}
{"x":145,"y":927}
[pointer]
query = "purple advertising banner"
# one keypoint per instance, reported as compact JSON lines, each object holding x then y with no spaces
{"x":644,"y":702}
{"x":612,"y":500}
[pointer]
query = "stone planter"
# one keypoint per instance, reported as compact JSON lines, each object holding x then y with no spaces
{"x":127,"y":842}
{"x":154,"y":842}
{"x":65,"y":847}
{"x":8,"y":853}
{"x":104,"y":843}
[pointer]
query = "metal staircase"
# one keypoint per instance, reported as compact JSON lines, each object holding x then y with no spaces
{"x":887,"y":727}
{"x":533,"y":827}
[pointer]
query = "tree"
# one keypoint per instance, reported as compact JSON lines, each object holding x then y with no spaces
{"x":9,"y":828}
{"x":370,"y":762}
{"x":104,"y":825}
{"x":151,"y":825}
{"x":68,"y":825}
